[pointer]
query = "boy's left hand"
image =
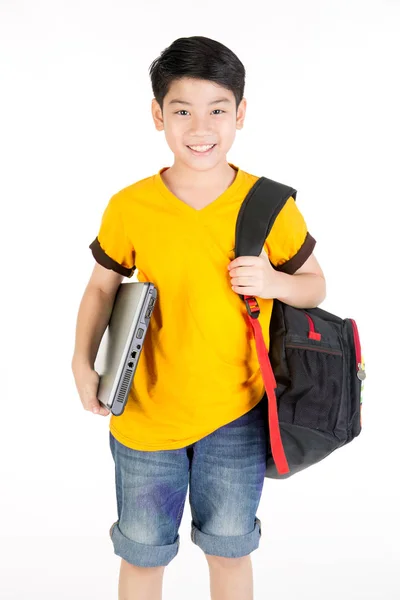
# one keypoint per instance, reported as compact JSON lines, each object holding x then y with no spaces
{"x":255,"y":276}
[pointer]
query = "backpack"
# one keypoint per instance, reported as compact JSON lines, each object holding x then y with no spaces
{"x":314,"y":371}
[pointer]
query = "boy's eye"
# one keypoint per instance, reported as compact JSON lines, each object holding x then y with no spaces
{"x":183,"y":110}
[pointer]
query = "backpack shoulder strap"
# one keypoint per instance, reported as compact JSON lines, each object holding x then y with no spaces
{"x":254,"y":222}
{"x":258,"y":213}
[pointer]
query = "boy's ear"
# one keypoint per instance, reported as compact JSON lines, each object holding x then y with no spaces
{"x":157,"y":115}
{"x":241,"y":113}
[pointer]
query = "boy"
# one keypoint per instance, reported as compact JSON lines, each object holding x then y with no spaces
{"x":196,"y":416}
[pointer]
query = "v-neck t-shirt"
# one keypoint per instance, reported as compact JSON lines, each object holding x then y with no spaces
{"x":198,"y":369}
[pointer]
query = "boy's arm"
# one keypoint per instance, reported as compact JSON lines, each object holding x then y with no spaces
{"x":94,"y":314}
{"x":255,"y":276}
{"x":306,"y":287}
{"x":286,"y":268}
{"x":114,"y":255}
{"x":301,"y":281}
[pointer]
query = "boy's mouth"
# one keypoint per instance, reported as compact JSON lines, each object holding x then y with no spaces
{"x":202,"y":150}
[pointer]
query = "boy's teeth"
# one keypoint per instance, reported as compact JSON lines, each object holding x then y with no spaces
{"x":201,"y":148}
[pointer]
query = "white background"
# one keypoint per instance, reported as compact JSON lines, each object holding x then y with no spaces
{"x":323,"y":101}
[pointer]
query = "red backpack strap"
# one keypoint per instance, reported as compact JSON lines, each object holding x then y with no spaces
{"x":277,"y":449}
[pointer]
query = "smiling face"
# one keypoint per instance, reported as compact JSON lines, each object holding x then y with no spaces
{"x":198,"y":112}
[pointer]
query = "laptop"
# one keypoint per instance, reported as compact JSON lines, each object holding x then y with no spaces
{"x":122,"y":342}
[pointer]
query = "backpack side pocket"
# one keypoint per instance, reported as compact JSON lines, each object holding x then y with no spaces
{"x":317,"y":376}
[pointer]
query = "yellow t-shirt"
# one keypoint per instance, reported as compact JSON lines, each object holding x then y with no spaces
{"x":198,"y":369}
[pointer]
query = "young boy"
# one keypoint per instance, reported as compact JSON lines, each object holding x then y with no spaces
{"x":196,"y":416}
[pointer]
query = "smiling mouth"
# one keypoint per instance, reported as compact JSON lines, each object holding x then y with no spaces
{"x":204,"y":151}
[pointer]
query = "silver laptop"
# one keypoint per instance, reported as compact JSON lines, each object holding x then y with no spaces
{"x":122,"y":343}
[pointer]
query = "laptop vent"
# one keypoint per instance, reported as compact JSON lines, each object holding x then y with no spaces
{"x":124,"y":385}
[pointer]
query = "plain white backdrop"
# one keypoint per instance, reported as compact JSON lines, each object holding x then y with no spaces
{"x":323,"y":117}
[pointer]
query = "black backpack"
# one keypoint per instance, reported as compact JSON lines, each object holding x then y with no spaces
{"x":314,"y":371}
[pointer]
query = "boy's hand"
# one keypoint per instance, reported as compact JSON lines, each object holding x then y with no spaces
{"x":87,"y":383}
{"x":255,"y":276}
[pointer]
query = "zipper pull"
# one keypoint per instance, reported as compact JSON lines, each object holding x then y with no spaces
{"x":312,"y":334}
{"x":361,"y":372}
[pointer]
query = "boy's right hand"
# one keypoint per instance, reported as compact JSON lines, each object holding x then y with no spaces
{"x":87,"y":383}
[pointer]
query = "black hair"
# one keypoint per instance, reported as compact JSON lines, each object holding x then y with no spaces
{"x":200,"y":58}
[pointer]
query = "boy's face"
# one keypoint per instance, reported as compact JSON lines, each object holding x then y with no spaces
{"x":198,"y":120}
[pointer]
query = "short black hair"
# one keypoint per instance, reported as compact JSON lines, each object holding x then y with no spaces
{"x":200,"y":58}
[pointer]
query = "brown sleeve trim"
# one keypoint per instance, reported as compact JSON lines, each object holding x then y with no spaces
{"x":106,"y":261}
{"x":294,"y":263}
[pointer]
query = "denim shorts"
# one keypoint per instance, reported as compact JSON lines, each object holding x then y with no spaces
{"x":224,"y":472}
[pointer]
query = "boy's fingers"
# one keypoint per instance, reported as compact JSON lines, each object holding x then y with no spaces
{"x":245,"y":291}
{"x":239,"y":271}
{"x":98,"y":409}
{"x":95,"y":407}
{"x":248,"y":281}
{"x":247,"y":261}
{"x":104,"y":411}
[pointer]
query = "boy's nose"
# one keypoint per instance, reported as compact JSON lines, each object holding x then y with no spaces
{"x":201,"y":128}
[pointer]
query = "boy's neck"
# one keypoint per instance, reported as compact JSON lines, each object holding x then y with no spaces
{"x":182,"y":176}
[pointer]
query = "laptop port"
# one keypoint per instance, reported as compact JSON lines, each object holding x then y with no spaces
{"x":148,"y":313}
{"x":133,"y":354}
{"x":130,"y":365}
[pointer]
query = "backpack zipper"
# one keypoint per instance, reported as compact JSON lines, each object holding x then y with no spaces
{"x":359,"y":363}
{"x":326,"y":350}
